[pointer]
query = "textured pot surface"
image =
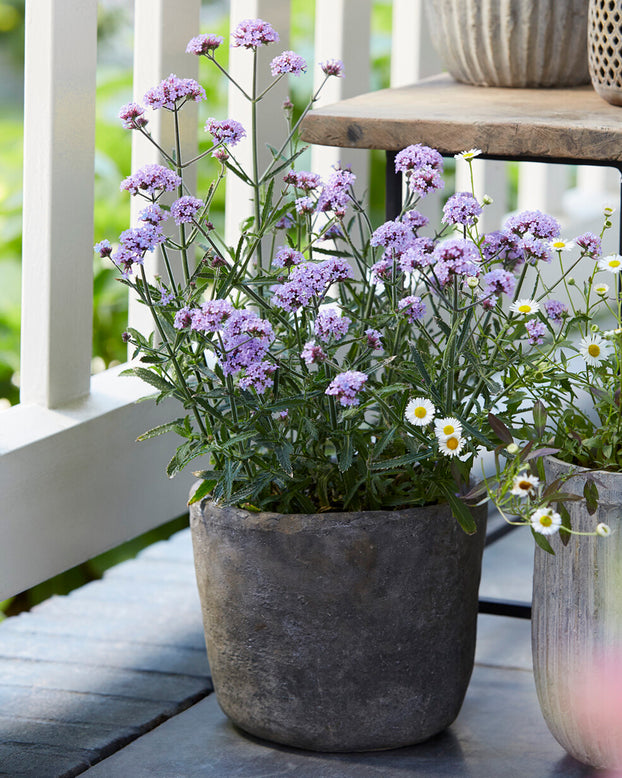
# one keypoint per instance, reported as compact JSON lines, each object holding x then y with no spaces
{"x":576,"y":612}
{"x":512,"y":43}
{"x":605,"y":48}
{"x":339,"y":632}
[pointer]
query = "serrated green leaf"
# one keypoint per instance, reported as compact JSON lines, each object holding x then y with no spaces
{"x":283,"y":455}
{"x":154,"y":379}
{"x":346,"y":455}
{"x":203,"y":490}
{"x":160,"y":430}
{"x":406,"y":459}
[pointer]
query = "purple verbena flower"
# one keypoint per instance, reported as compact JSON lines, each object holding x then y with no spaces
{"x":245,"y":339}
{"x":304,"y":205}
{"x":536,"y":250}
{"x":336,"y":269}
{"x":287,"y":257}
{"x":333,"y":67}
{"x":285,"y":222}
{"x":536,"y":330}
{"x":211,"y":316}
{"x":394,"y":235}
{"x":424,"y":180}
{"x":381,"y":271}
{"x":312,"y":353}
{"x":203,"y":44}
{"x":185,"y":209}
{"x":183,"y":318}
{"x":461,"y":208}
{"x":345,"y":387}
{"x":418,"y":156}
{"x":258,"y":376}
{"x":412,"y":307}
{"x":103,"y":248}
{"x":555,"y":310}
{"x":498,"y":281}
{"x":303,"y":180}
{"x":227,"y":131}
{"x":335,"y":195}
{"x":166,"y":297}
{"x":374,"y":339}
{"x":332,"y":233}
{"x":132,"y":116}
{"x":170,"y":91}
{"x":539,"y":224}
{"x":151,"y":178}
{"x":331,"y":324}
{"x":252,"y":33}
{"x":288,"y":62}
{"x":591,"y":244}
{"x":414,"y":219}
{"x":504,"y":246}
{"x":456,"y":256}
{"x":153,"y":214}
{"x":420,"y":254}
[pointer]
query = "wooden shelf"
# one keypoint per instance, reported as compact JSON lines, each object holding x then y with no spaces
{"x":564,"y":125}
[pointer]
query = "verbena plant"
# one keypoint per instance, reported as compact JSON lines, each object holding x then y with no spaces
{"x":324,"y":364}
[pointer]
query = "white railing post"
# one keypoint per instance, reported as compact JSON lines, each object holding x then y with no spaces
{"x":541,"y":186}
{"x":59,"y":143}
{"x":162,"y":30}
{"x":342,"y":31}
{"x":271,"y":123}
{"x":412,"y":55}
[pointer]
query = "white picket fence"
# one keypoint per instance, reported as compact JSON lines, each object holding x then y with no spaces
{"x":73,"y":482}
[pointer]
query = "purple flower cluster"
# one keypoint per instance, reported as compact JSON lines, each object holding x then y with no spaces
{"x":285,"y":222}
{"x":185,"y":209}
{"x":424,"y":181}
{"x":134,"y":244}
{"x":170,"y":91}
{"x":555,"y":310}
{"x":395,"y":236}
{"x":331,"y":324}
{"x":461,"y":208}
{"x":458,"y":257}
{"x":418,"y":156}
{"x":103,"y":248}
{"x":536,"y":331}
{"x":335,"y":195}
{"x":308,"y":280}
{"x":288,"y":62}
{"x":151,"y":178}
{"x":414,"y":219}
{"x":412,"y":307}
{"x":312,"y":353}
{"x":332,"y":67}
{"x":258,"y":376}
{"x":505,"y":246}
{"x":227,"y":131}
{"x":304,"y":205}
{"x":210,"y":317}
{"x":203,"y":44}
{"x":153,"y":214}
{"x":345,"y":387}
{"x":287,"y":257}
{"x":132,"y":116}
{"x":374,"y":339}
{"x":591,"y":244}
{"x":499,"y":281}
{"x":539,"y":224}
{"x":536,"y":250}
{"x":252,"y":33}
{"x":303,"y":180}
{"x":420,"y":254}
{"x":382,"y":271}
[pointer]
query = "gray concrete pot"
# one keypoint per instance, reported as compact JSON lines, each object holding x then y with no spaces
{"x":338,"y":631}
{"x":512,"y":43}
{"x":604,"y":39}
{"x":577,"y":612}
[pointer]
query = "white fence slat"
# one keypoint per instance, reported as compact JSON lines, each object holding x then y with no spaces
{"x":541,"y":186}
{"x":412,"y":55}
{"x":162,"y":30}
{"x":490,"y":178}
{"x":59,"y":143}
{"x":342,"y":31}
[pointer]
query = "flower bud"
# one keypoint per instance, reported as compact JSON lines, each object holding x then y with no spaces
{"x":487,"y":200}
{"x":594,"y":328}
{"x":602,"y":529}
{"x":609,"y":210}
{"x":472,"y":281}
{"x":571,"y":281}
{"x":512,"y":448}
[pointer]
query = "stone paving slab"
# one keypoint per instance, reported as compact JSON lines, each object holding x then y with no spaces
{"x":499,"y":734}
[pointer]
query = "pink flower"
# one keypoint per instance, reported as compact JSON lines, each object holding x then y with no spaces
{"x":252,"y":33}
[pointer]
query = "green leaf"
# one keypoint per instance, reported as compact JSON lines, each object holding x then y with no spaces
{"x":398,"y":462}
{"x":499,"y":428}
{"x":203,"y":490}
{"x":160,"y":430}
{"x":590,"y":492}
{"x":542,"y":542}
{"x":283,"y":455}
{"x":154,"y":379}
{"x":346,"y":455}
{"x":539,"y":417}
{"x":460,"y":511}
{"x":563,"y":512}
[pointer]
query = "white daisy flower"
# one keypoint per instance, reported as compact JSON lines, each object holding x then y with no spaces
{"x":525,"y":306}
{"x":594,"y":349}
{"x":419,"y":412}
{"x":601,"y":289}
{"x":451,"y":445}
{"x":561,"y":245}
{"x":524,"y":485}
{"x":468,"y":154}
{"x":604,"y":530}
{"x":443,"y":428}
{"x":545,"y":521}
{"x":612,"y":263}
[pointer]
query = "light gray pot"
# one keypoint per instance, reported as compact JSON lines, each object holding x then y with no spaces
{"x":604,"y":39}
{"x":512,"y":43}
{"x":577,"y":612}
{"x":339,"y":631}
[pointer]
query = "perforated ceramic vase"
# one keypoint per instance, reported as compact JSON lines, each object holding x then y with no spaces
{"x":605,"y":48}
{"x":511,"y":43}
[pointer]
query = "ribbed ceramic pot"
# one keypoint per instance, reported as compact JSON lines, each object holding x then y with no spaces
{"x":576,"y":615}
{"x":339,"y":631}
{"x":605,"y":48}
{"x":512,"y":43}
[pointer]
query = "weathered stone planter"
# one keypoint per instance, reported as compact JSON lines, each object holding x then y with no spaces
{"x":339,"y":631}
{"x":604,"y":42}
{"x":576,"y":615}
{"x":512,"y":43}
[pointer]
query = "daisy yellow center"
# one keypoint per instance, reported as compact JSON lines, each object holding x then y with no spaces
{"x":546,"y":520}
{"x":452,"y":443}
{"x":559,"y":244}
{"x":448,"y":429}
{"x":593,"y":350}
{"x":525,"y":485}
{"x":614,"y":263}
{"x":420,"y":412}
{"x":525,"y":308}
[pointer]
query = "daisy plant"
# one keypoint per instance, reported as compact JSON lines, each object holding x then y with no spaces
{"x":321,"y":362}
